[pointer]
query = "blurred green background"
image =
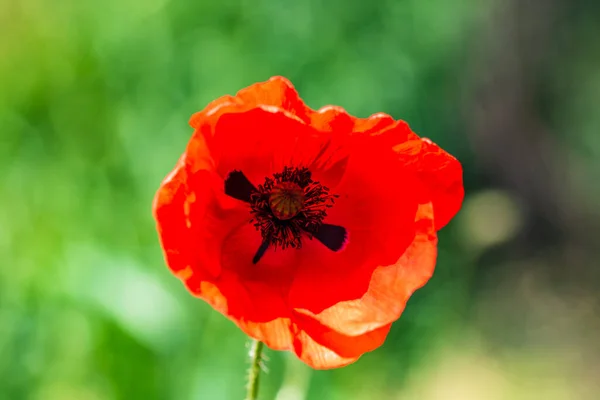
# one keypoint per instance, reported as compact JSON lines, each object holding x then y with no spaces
{"x":94,"y":103}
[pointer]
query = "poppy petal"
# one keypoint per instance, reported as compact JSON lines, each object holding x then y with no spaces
{"x":258,"y":292}
{"x":442,"y":175}
{"x":256,"y":309}
{"x":343,"y":344}
{"x":338,"y":127}
{"x":321,"y":348}
{"x":377,"y":206}
{"x":277,"y":92}
{"x":172,"y":223}
{"x":277,"y":334}
{"x":260,"y":142}
{"x":228,"y":295}
{"x":439,"y":172}
{"x":193,"y":216}
{"x":390,"y":286}
{"x":211,"y":113}
{"x":316,"y":355}
{"x":337,"y":119}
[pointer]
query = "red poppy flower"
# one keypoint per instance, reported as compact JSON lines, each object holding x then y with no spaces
{"x":309,"y":229}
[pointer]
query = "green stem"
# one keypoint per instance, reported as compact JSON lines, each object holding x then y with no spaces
{"x":254,"y":372}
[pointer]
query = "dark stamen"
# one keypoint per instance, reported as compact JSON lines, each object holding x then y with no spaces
{"x":287,"y":208}
{"x":238,"y":186}
{"x":261,"y":251}
{"x":334,"y":237}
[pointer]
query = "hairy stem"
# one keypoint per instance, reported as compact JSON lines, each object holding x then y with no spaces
{"x":254,"y":371}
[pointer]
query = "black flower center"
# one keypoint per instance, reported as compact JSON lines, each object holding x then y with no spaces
{"x":286,"y":208}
